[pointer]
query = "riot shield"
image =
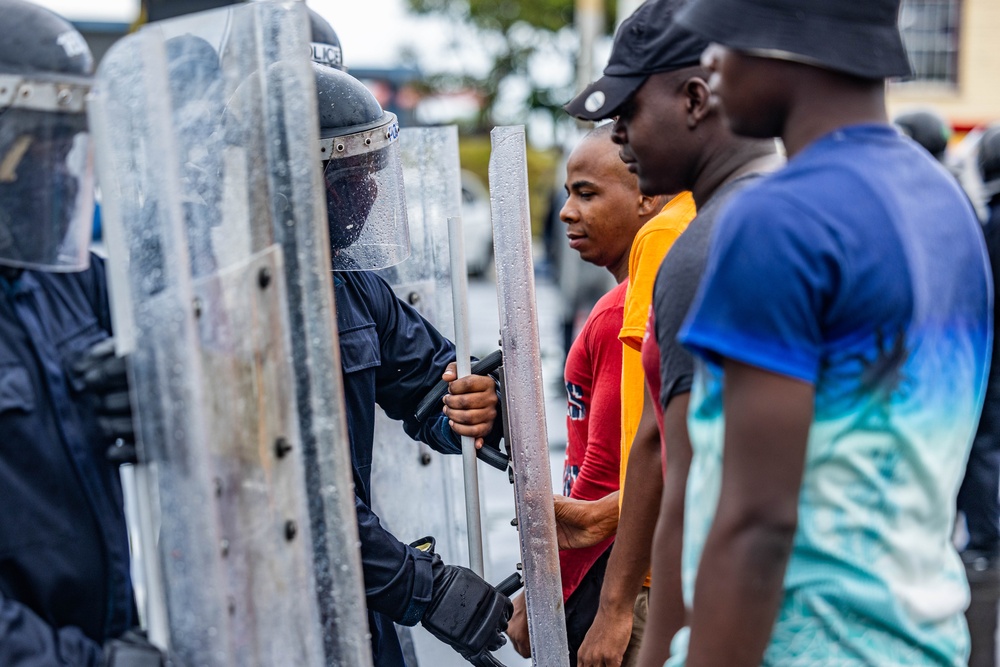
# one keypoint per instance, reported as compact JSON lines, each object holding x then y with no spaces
{"x":206,"y":129}
{"x":415,"y":490}
{"x":524,"y":405}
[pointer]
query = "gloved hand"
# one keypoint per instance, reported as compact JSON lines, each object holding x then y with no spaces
{"x":103,"y":375}
{"x":465,"y":612}
{"x":132,"y":649}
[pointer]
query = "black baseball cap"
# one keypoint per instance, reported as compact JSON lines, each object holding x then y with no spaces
{"x":647,"y":42}
{"x":856,"y":37}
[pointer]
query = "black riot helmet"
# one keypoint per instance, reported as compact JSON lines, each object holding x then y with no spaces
{"x":928,"y":129}
{"x":325,"y":43}
{"x":46,"y":158}
{"x":988,"y":160}
{"x":362,"y":172}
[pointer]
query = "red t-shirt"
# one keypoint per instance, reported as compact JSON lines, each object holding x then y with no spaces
{"x":651,"y":367}
{"x":593,"y":421}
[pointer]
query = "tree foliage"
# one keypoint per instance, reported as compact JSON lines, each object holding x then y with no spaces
{"x":524,"y":28}
{"x":500,"y":15}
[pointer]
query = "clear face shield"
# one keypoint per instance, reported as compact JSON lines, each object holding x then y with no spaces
{"x":46,"y":174}
{"x":366,"y":206}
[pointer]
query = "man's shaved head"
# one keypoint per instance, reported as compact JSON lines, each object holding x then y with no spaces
{"x":604,"y":209}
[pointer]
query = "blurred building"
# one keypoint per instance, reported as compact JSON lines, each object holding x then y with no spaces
{"x":956,"y":60}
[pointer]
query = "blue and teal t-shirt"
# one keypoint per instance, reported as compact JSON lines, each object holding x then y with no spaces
{"x":859,"y":268}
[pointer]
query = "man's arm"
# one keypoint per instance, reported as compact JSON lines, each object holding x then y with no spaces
{"x":666,"y":600}
{"x":517,"y":628}
{"x":398,"y":578}
{"x":414,"y":357}
{"x":608,"y":637}
{"x":739,"y":586}
{"x":584,"y":523}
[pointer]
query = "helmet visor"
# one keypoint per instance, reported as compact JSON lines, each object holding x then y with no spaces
{"x":366,"y":207}
{"x":46,"y":190}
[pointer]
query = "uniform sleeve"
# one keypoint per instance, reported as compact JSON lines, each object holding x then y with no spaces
{"x":599,"y":472}
{"x":28,"y":641}
{"x":398,"y":578}
{"x":414,"y":356}
{"x":772,"y":270}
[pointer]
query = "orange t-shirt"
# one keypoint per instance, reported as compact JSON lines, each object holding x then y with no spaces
{"x":651,"y":245}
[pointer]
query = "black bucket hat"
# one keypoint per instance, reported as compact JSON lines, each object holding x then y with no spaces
{"x":858,"y":37}
{"x":647,"y":42}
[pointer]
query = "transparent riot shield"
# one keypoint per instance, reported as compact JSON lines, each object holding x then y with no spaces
{"x":206,"y":129}
{"x":524,"y":404}
{"x":415,"y":490}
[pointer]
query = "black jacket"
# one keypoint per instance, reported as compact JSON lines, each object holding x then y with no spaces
{"x":391,"y":356}
{"x":64,"y":568}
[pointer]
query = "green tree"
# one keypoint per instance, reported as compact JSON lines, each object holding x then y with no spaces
{"x":516,"y":31}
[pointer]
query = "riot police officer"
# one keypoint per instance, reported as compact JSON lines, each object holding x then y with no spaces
{"x":65,"y":589}
{"x":392,"y":357}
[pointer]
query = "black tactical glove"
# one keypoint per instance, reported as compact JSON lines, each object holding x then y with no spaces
{"x":132,"y":649}
{"x":465,"y":612}
{"x":102,"y":374}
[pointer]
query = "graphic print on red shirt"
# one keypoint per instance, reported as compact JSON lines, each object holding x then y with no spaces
{"x":593,"y":421}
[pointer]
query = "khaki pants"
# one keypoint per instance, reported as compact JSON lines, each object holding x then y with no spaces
{"x":639,"y":615}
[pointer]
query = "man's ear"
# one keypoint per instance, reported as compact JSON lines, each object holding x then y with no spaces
{"x":649,"y":205}
{"x":698,"y":100}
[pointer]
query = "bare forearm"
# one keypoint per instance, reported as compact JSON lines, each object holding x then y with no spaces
{"x":737,"y":593}
{"x":604,"y":515}
{"x":630,"y":557}
{"x":666,"y":600}
{"x":584,"y":523}
{"x":608,"y":636}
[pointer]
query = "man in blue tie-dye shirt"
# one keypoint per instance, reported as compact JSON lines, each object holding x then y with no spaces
{"x":843,"y":333}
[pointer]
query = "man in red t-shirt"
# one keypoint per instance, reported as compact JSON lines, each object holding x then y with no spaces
{"x":603,"y":213}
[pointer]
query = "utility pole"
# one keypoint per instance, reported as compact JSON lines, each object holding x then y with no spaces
{"x":625,"y":9}
{"x":589,"y":16}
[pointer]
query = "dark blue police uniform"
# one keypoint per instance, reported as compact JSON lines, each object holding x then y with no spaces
{"x":64,"y":568}
{"x":390,"y":356}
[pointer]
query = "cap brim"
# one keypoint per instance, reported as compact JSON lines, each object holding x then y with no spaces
{"x":604,"y":97}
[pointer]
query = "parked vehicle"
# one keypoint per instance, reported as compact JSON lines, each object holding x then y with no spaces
{"x":477,"y":227}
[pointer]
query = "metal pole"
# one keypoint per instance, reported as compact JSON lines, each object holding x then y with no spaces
{"x":460,"y":300}
{"x":141,"y":490}
{"x":524,"y":397}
